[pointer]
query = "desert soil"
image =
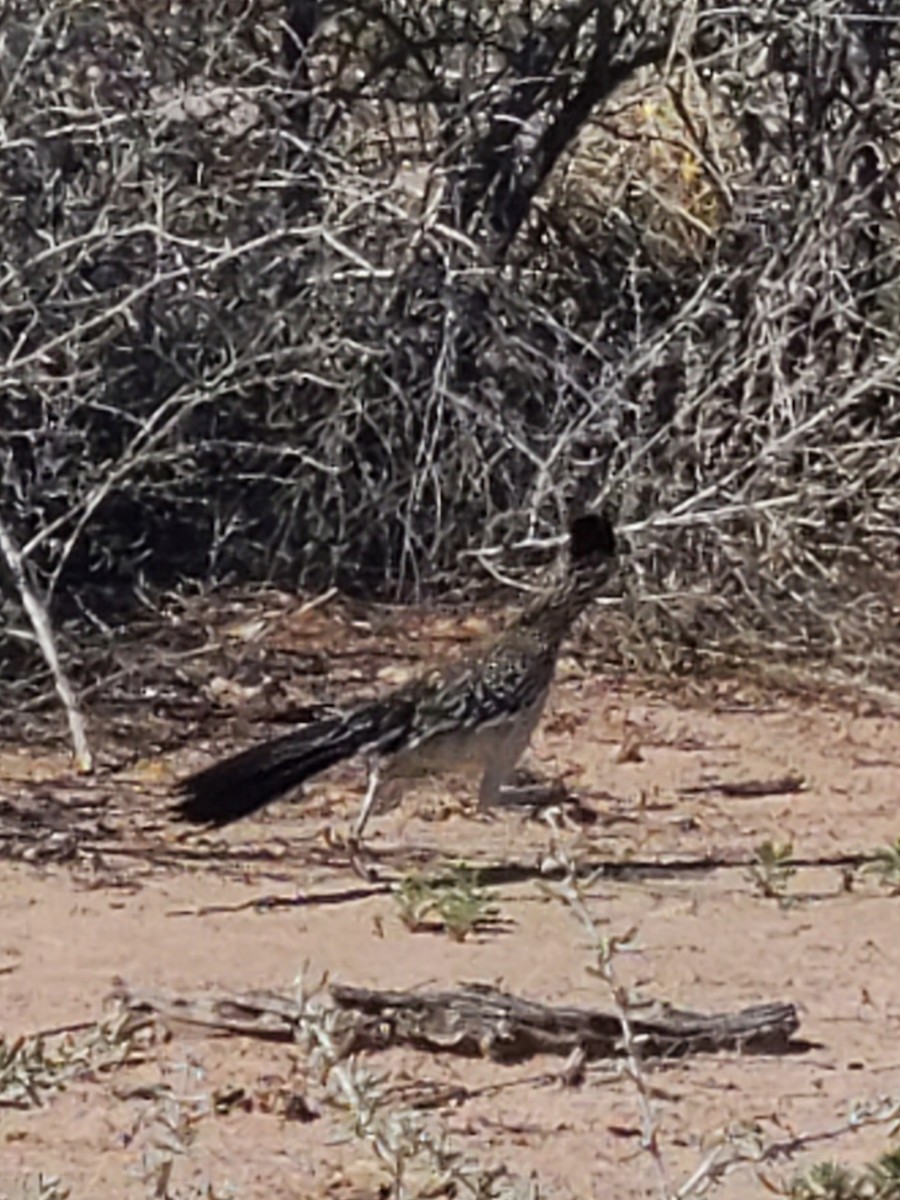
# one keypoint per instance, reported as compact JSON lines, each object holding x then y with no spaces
{"x":98,"y":891}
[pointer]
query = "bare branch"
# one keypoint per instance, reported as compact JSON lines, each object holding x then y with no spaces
{"x":43,"y":632}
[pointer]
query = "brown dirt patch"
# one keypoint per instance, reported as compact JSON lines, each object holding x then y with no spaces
{"x":96,"y":886}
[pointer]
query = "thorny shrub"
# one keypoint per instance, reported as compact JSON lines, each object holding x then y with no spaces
{"x":332,"y":294}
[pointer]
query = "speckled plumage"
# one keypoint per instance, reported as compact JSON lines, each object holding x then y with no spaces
{"x":477,"y":714}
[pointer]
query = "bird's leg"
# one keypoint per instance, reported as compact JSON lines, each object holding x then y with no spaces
{"x":494,"y":780}
{"x":368,"y":800}
{"x":384,"y":791}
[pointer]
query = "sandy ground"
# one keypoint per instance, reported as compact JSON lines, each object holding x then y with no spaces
{"x":107,"y":892}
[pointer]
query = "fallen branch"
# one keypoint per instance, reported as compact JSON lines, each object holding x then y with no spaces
{"x":479,"y":1020}
{"x":750,"y":789}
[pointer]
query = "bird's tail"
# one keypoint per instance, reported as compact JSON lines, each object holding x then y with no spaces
{"x":240,"y":785}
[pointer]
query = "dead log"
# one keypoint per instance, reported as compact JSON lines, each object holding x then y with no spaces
{"x":480,"y":1021}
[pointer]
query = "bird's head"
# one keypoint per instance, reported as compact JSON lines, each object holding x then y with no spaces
{"x":591,"y":540}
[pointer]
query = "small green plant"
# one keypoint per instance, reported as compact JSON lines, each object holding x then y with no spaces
{"x":886,"y":1175}
{"x":829,"y":1181}
{"x":464,"y":906}
{"x":772,"y":869}
{"x":825,"y":1181}
{"x":414,"y":897}
{"x":45,"y":1187}
{"x":31,"y":1068}
{"x":886,"y":865}
{"x":455,"y":901}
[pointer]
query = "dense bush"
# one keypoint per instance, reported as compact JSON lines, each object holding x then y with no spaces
{"x":333,"y":295}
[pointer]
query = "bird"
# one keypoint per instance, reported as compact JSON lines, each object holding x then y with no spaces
{"x":478,"y":714}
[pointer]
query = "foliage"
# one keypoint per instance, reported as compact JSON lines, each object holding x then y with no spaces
{"x":829,"y":1181}
{"x":316,"y":298}
{"x":32,"y":1068}
{"x":885,"y":864}
{"x":772,"y":869}
{"x":454,"y":899}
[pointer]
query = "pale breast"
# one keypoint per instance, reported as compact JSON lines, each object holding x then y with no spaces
{"x":469,"y":751}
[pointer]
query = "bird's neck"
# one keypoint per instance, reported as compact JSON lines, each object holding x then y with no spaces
{"x":553,"y":614}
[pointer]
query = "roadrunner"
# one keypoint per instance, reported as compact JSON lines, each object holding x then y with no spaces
{"x":478,"y":714}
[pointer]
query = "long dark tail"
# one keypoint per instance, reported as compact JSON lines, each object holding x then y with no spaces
{"x":240,"y":785}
